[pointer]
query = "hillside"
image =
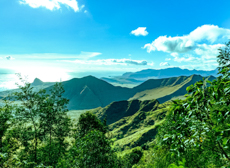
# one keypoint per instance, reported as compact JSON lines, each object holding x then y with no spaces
{"x":90,"y":92}
{"x":167,"y":73}
{"x":133,"y":79}
{"x":166,"y":89}
{"x":133,"y":123}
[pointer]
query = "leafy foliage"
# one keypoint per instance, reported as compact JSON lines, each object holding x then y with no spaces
{"x":196,"y":131}
{"x":40,"y":125}
{"x":92,"y":148}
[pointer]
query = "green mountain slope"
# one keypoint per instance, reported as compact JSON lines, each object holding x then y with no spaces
{"x":90,"y":92}
{"x":166,"y":89}
{"x":167,"y":73}
{"x":133,"y":123}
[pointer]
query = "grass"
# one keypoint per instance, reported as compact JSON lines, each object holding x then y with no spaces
{"x":137,"y":129}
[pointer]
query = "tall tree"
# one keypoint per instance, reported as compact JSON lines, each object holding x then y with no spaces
{"x":196,"y":132}
{"x":92,"y":147}
{"x":55,"y":124}
{"x":42,"y":124}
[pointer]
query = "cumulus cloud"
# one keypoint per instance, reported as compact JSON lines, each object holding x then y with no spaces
{"x":171,"y":45}
{"x":52,"y":4}
{"x":200,"y":46}
{"x":164,"y":64}
{"x":140,"y":31}
{"x":109,"y":62}
{"x":210,"y":33}
{"x":9,"y":57}
{"x":190,"y":42}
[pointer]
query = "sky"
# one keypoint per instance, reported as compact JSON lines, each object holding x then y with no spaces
{"x":61,"y":39}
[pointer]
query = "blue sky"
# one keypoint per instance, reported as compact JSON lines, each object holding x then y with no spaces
{"x":53,"y":39}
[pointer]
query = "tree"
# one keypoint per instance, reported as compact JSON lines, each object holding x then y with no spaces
{"x":224,"y":58}
{"x":42,"y":124}
{"x":92,"y":147}
{"x":88,"y":122}
{"x":196,"y":131}
{"x":6,"y":144}
{"x":55,"y":125}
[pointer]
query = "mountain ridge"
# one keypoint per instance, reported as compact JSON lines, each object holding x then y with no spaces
{"x":136,"y":78}
{"x":90,"y":92}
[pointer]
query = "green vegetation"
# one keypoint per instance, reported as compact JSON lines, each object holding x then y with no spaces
{"x":132,"y":123}
{"x":196,"y":131}
{"x":188,"y":133}
{"x":38,"y":133}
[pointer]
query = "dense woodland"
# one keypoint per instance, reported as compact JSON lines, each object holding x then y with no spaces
{"x":194,"y":133}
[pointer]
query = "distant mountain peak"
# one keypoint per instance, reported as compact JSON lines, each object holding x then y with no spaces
{"x":89,"y":77}
{"x":37,"y":82}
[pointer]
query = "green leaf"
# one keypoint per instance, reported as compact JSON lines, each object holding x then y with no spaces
{"x":225,"y":141}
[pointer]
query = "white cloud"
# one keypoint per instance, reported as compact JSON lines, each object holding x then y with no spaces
{"x":170,"y":44}
{"x":167,"y":59}
{"x":208,"y":51}
{"x":186,"y":58}
{"x":200,"y":46}
{"x":190,"y":42}
{"x":140,"y":31}
{"x":85,"y":11}
{"x":210,"y":33}
{"x":9,"y":57}
{"x":52,"y":4}
{"x":109,"y":62}
{"x":174,"y":54}
{"x":129,"y":61}
{"x":164,"y":64}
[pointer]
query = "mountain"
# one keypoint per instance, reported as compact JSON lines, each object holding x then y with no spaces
{"x":136,"y":78}
{"x":166,"y":89}
{"x":90,"y":92}
{"x":133,"y":123}
{"x":167,"y":73}
{"x":37,"y":82}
